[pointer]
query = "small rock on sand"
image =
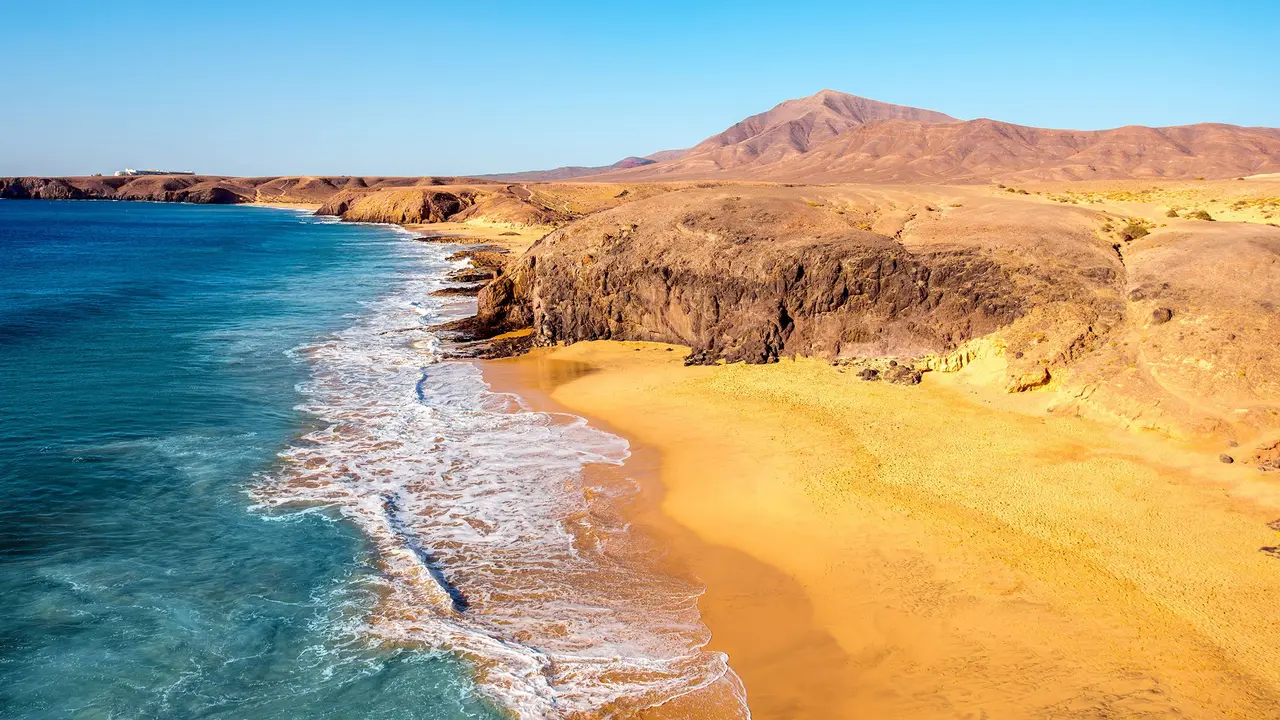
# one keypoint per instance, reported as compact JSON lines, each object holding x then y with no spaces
{"x":1160,"y":316}
{"x":1226,"y":458}
{"x":902,"y":375}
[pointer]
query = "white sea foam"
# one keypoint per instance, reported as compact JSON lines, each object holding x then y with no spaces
{"x":490,"y":543}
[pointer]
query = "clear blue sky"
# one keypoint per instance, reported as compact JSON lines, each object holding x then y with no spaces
{"x":414,"y":88}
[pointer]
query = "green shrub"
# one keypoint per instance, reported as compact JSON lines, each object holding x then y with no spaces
{"x":1134,"y":231}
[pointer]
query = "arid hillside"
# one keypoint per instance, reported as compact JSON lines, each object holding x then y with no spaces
{"x":534,"y":207}
{"x":796,"y":127}
{"x":835,"y":137}
{"x":1115,"y":306}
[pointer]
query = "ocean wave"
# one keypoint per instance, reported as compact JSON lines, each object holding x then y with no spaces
{"x":490,"y":542}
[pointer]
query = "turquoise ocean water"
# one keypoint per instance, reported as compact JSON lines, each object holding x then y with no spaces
{"x":147,"y":377}
{"x":237,"y":480}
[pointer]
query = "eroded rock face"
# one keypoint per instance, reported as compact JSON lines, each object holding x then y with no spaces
{"x":33,"y":188}
{"x":748,"y":278}
{"x":216,"y":195}
{"x":160,"y":188}
{"x":213,"y":189}
{"x":403,"y":207}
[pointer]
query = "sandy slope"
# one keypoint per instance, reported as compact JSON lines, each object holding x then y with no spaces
{"x":941,"y":551}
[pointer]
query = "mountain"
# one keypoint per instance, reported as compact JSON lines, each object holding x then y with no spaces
{"x":665,"y":155}
{"x":836,"y":137}
{"x":796,"y":126}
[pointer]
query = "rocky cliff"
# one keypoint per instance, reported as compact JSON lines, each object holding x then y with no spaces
{"x":165,"y":188}
{"x":748,"y":277}
{"x":400,"y":207}
{"x":206,"y":189}
{"x":1167,"y":328}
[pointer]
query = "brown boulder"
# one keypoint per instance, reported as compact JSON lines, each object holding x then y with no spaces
{"x":902,"y":375}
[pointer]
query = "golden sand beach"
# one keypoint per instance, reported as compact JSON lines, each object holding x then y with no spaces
{"x":939,"y":551}
{"x":310,"y":207}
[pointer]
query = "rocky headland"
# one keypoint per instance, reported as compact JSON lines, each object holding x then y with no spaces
{"x":202,"y":189}
{"x":1167,"y":328}
{"x":1149,"y":302}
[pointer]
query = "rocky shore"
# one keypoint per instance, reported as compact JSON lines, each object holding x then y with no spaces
{"x":1119,"y":300}
{"x":201,"y":189}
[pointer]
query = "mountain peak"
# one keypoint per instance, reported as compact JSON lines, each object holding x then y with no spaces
{"x":831,"y":136}
{"x":864,"y":110}
{"x":796,"y":125}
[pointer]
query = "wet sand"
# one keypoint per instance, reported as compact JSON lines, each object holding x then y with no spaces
{"x":938,"y":551}
{"x":310,"y":207}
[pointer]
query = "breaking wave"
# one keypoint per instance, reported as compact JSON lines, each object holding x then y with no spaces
{"x":491,"y":542}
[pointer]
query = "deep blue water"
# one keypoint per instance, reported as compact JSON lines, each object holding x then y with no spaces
{"x":145,"y":381}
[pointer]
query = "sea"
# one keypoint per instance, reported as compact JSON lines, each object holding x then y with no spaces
{"x":240,"y":478}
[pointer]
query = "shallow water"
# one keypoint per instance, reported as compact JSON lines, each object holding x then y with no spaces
{"x":238,"y":482}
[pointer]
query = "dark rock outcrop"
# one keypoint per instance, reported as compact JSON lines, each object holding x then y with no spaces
{"x":34,"y":188}
{"x":1268,"y":458}
{"x":209,"y":189}
{"x":154,"y":188}
{"x":902,"y":375}
{"x":472,"y":275}
{"x":748,"y":280}
{"x":215,"y":195}
{"x":459,"y":290}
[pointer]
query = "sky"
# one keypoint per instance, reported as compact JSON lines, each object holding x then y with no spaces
{"x":430,"y":88}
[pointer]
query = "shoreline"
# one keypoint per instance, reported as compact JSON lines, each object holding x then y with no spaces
{"x":937,"y":551}
{"x":308,"y":207}
{"x":756,"y":612}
